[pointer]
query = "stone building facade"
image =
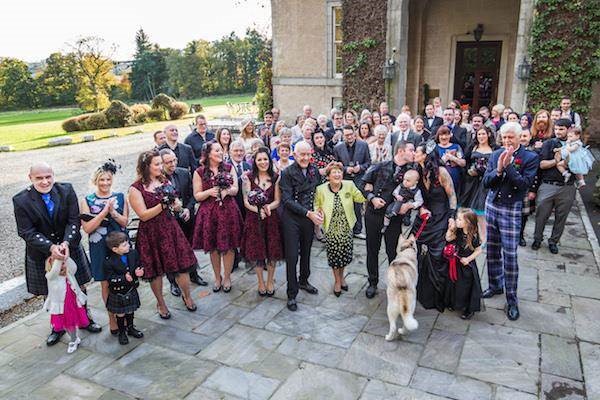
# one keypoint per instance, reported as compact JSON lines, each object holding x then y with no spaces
{"x":432,"y":42}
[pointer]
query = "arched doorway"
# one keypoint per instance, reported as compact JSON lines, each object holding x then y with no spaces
{"x":477,"y":72}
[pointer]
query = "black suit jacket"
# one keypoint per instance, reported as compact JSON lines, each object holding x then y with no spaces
{"x":35,"y":226}
{"x":115,"y":271}
{"x":185,"y":156}
{"x":362,"y":157}
{"x":297,"y":190}
{"x":239,"y":197}
{"x":437,"y":121}
{"x":182,"y":180}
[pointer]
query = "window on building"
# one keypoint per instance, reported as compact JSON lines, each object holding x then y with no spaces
{"x":336,"y":16}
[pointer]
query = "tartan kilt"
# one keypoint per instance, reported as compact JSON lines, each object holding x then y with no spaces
{"x":123,"y":303}
{"x":35,"y":271}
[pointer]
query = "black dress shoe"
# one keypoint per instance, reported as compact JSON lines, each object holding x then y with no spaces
{"x":489,"y":293}
{"x":512,"y":312}
{"x":371,"y":291}
{"x":123,"y":339}
{"x":344,"y":288}
{"x":553,"y":248}
{"x":93,"y":327}
{"x":307,"y":287}
{"x":131,"y":331}
{"x":467,"y":314}
{"x":54,"y":337}
{"x":197,"y":279}
{"x":536,"y":245}
{"x":522,"y":242}
{"x":175,"y":291}
{"x":291,"y":305}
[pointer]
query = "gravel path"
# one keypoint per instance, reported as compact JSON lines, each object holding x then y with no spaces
{"x":73,"y":164}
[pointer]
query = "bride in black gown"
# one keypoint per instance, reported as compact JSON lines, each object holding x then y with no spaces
{"x":440,"y":205}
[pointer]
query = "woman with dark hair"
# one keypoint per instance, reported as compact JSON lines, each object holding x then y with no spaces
{"x":322,"y":153}
{"x":365,"y":133}
{"x":218,"y":223}
{"x":451,"y":155}
{"x":224,"y":139}
{"x":102,"y":212}
{"x":161,"y":244}
{"x":262,"y":242}
{"x":477,"y":157}
{"x":439,"y":207}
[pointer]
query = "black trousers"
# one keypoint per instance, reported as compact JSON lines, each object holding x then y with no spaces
{"x":373,"y":224}
{"x":298,"y":235}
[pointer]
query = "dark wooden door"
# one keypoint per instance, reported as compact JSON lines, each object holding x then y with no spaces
{"x":476,"y":73}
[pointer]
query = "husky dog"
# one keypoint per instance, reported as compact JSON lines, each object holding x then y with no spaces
{"x":402,"y":276}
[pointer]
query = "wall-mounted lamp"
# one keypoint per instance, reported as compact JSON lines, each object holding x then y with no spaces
{"x":524,"y":70}
{"x":478,"y":32}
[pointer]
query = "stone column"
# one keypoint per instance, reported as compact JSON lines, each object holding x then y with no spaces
{"x":518,"y":94}
{"x":397,"y":38}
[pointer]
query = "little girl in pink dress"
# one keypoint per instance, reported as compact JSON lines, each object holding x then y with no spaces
{"x":65,"y":300}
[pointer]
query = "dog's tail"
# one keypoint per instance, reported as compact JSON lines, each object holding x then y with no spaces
{"x":410,"y":323}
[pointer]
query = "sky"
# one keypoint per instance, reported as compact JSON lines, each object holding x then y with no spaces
{"x":32,"y":30}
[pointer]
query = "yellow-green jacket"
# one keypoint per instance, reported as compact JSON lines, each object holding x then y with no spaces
{"x":349,"y":194}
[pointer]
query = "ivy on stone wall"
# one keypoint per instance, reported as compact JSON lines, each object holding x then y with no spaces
{"x":565,"y":53}
{"x":363,"y":52}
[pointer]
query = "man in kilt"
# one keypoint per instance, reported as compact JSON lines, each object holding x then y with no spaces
{"x":510,"y":172}
{"x":47,"y":215}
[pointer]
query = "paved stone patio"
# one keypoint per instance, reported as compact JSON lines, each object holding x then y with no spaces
{"x":241,"y":346}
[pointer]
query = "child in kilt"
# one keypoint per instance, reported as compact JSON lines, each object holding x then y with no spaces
{"x":122,"y":270}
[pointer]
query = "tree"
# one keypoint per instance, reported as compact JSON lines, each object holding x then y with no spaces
{"x":264,"y":90}
{"x":149,"y":74}
{"x":17,"y":87}
{"x":93,"y":56}
{"x":59,"y":81}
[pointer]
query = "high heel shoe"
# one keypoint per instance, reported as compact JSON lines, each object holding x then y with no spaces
{"x":344,"y":288}
{"x":337,"y":294}
{"x":217,"y":289}
{"x":262,"y":293}
{"x":190,"y":309}
{"x":163,"y":316}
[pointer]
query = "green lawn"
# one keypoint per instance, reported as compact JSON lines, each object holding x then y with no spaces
{"x":44,"y":115}
{"x":26,"y":130}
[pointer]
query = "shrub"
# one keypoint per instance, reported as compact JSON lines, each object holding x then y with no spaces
{"x":162,"y":101}
{"x":139,"y":108}
{"x":95,"y":121}
{"x":152,"y":115}
{"x":118,"y":114}
{"x":178,"y":110}
{"x":71,"y":124}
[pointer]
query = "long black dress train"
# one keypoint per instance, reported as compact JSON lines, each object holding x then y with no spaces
{"x":432,"y":287}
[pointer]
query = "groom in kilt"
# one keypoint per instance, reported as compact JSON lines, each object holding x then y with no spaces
{"x":47,"y":216}
{"x":511,"y":171}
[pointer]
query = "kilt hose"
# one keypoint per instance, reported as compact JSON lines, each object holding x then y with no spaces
{"x":35,"y":271}
{"x":503,"y":229}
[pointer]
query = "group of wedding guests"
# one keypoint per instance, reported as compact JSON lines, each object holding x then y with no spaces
{"x":264,"y":196}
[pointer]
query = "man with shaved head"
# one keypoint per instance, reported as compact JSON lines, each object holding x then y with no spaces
{"x":298,"y":183}
{"x":183,"y":152}
{"x":47,"y":215}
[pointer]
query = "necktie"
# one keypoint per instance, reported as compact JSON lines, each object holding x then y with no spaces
{"x":238,"y":169}
{"x":49,"y":204}
{"x":124,"y":259}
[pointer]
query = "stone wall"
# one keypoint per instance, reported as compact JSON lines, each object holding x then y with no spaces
{"x":301,"y":47}
{"x":594,"y":116}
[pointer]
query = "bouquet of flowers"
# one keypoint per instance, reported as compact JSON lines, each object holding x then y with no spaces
{"x":479,"y":165}
{"x":258,"y":198}
{"x":168,"y":196}
{"x":223,"y":180}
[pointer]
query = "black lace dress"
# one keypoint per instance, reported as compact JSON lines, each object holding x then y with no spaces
{"x":432,"y":287}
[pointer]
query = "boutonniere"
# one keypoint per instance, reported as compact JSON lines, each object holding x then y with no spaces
{"x":310,"y":172}
{"x":517,"y":163}
{"x":347,"y":195}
